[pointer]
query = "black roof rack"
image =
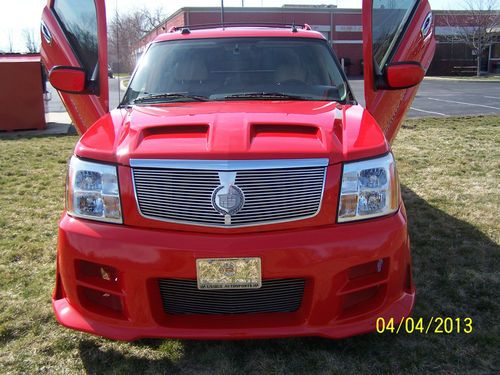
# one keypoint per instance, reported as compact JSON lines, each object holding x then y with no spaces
{"x":186,"y":28}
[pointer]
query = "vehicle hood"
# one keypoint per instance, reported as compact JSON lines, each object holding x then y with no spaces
{"x":234,"y":130}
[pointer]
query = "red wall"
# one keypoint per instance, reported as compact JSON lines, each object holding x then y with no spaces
{"x":21,"y":94}
{"x":203,"y":17}
{"x":348,"y":45}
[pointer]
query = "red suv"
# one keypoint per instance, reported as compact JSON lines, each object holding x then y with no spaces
{"x":239,"y":190}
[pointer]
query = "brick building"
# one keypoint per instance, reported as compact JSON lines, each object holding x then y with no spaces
{"x":342,"y":27}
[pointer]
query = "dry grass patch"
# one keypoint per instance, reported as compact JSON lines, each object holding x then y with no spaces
{"x":449,"y":169}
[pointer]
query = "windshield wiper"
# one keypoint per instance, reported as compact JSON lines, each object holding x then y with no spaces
{"x":169,"y":95}
{"x":265,"y":95}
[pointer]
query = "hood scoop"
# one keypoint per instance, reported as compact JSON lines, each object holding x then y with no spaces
{"x":285,"y":131}
{"x":177,"y":137}
{"x":295,"y":137}
{"x":176,"y":131}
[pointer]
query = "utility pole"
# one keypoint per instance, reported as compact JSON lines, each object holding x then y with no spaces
{"x":222,"y":12}
{"x":117,"y":51}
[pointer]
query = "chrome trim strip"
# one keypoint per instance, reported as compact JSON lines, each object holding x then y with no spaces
{"x":228,"y":165}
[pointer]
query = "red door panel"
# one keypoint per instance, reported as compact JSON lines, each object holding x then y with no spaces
{"x":394,"y":31}
{"x":73,"y":34}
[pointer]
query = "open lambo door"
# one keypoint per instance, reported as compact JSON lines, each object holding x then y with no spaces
{"x":398,"y":46}
{"x":74,"y":52}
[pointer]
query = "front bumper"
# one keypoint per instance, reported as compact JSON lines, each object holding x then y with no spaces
{"x":337,"y":302}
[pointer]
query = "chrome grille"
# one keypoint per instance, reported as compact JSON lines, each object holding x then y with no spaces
{"x":271,"y":195}
{"x":180,"y":296}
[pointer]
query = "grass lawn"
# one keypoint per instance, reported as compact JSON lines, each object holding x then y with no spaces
{"x":449,"y":169}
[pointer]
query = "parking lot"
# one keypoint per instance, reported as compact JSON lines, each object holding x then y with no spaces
{"x":435,"y":98}
{"x":55,"y":104}
{"x":446,"y":97}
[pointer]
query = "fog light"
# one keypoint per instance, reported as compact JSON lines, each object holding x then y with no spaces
{"x":104,"y":274}
{"x":380,"y":264}
{"x":376,"y":267}
{"x":98,"y":275}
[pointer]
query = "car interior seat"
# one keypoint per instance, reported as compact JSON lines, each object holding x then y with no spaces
{"x":190,"y":75}
{"x":290,"y":70}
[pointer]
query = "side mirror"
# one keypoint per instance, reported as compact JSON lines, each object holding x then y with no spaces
{"x":403,"y":75}
{"x":68,"y":79}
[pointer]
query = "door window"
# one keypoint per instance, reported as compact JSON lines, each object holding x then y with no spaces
{"x":389,"y":20}
{"x":78,"y":19}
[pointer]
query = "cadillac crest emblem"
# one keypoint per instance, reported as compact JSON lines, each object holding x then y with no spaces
{"x":227,"y":198}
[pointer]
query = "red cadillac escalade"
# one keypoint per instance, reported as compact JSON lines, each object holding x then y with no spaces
{"x":239,"y":190}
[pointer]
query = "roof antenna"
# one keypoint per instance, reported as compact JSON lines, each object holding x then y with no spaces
{"x":222,"y":12}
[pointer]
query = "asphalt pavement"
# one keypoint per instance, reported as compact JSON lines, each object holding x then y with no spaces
{"x":115,"y":95}
{"x":435,"y":97}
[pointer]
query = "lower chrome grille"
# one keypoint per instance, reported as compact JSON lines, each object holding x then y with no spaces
{"x":180,"y":296}
{"x":270,"y":195}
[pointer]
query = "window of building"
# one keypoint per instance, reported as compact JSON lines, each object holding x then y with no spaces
{"x":495,"y":51}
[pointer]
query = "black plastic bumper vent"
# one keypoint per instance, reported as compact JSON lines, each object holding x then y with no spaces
{"x":181,"y":296}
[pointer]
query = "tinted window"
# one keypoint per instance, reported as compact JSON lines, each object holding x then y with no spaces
{"x":217,"y":68}
{"x":389,"y":20}
{"x":78,"y":19}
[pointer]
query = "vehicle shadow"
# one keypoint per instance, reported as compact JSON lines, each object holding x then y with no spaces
{"x":455,"y":269}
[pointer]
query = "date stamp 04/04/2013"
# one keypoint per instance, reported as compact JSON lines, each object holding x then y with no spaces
{"x":437,"y":325}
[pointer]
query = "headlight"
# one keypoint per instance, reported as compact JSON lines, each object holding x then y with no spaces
{"x":92,"y":191}
{"x":369,"y":188}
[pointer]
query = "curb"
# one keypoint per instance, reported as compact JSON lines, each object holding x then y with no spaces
{"x":460,"y":79}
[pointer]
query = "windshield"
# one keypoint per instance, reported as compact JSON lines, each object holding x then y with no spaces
{"x":237,"y":69}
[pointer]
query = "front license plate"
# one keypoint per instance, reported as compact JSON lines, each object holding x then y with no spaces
{"x":228,"y":273}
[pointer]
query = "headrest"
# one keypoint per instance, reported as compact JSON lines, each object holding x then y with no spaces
{"x":288,"y":72}
{"x":290,"y":68}
{"x":191,"y":70}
